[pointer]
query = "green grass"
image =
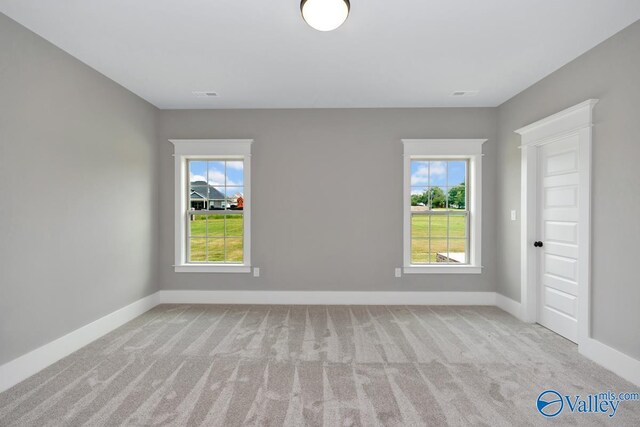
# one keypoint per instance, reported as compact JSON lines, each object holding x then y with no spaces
{"x":209,"y":239}
{"x":211,"y":236}
{"x":214,"y":226}
{"x":429,"y":236}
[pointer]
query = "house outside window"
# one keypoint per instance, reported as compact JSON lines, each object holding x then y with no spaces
{"x":442,"y":205}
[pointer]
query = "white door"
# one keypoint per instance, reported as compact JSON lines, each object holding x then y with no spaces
{"x":557,"y":242}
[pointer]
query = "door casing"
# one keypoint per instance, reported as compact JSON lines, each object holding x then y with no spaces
{"x":576,"y":120}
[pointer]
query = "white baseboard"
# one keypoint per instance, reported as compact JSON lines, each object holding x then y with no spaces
{"x":621,"y":364}
{"x":24,"y":366}
{"x":327,"y":298}
{"x":512,"y":307}
{"x":21,"y":368}
{"x":617,"y":362}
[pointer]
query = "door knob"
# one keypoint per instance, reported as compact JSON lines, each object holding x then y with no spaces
{"x":538,"y":244}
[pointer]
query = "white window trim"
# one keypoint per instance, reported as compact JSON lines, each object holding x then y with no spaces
{"x":471,"y":150}
{"x":194,"y":149}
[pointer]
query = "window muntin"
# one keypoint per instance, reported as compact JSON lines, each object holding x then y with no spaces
{"x":439,"y":211}
{"x":215,"y":211}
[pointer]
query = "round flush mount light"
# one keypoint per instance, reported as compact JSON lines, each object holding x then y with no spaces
{"x":325,"y":15}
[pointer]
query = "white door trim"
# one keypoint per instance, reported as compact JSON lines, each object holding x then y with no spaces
{"x":574,"y":120}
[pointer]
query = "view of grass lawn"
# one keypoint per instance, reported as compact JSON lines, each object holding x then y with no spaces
{"x":429,"y":236}
{"x":210,"y":236}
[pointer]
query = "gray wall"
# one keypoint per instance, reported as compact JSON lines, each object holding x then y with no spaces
{"x":77,"y":200}
{"x":327,"y":195}
{"x":86,"y":190}
{"x":611,"y":73}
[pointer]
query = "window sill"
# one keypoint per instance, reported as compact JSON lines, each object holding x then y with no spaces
{"x":200,"y":268}
{"x":442,"y":269}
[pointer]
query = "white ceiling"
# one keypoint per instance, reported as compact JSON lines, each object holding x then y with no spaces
{"x":261,"y":54}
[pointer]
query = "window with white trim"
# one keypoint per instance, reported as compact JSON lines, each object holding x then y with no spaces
{"x":442,"y":206}
{"x":213,"y":205}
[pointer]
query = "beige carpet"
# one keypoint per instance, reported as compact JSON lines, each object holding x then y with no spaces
{"x":333,"y":366}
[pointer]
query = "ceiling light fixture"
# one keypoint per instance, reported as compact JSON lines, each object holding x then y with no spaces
{"x":325,"y":15}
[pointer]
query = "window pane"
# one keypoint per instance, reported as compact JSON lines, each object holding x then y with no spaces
{"x":216,"y":176}
{"x":197,"y":170}
{"x":235,"y":173}
{"x":197,"y":202}
{"x":419,"y":251}
{"x":436,"y":198}
{"x":457,"y":251}
{"x":419,"y":200}
{"x":456,"y":172}
{"x":437,"y":173}
{"x":198,"y":192}
{"x":457,"y":197}
{"x":457,"y":226}
{"x":419,"y":173}
{"x":234,"y":249}
{"x":455,"y":254}
{"x":439,"y":249}
{"x":419,"y":226}
{"x":438,"y":225}
{"x":217,"y":199}
{"x":235,"y":225}
{"x":215,"y":250}
{"x":215,"y":226}
{"x":235,"y":197}
{"x":197,"y":250}
{"x":197,"y":225}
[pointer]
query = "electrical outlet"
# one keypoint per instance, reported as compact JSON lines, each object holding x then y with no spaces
{"x":256,"y":271}
{"x":514,"y":215}
{"x":398,"y":272}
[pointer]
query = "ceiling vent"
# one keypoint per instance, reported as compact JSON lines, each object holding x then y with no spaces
{"x":465,"y":93}
{"x":204,"y":93}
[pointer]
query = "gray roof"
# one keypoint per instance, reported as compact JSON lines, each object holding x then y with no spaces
{"x":199,"y":191}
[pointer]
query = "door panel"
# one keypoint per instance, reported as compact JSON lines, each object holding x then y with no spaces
{"x":561,"y":232}
{"x":564,"y":285}
{"x":561,"y":249}
{"x":561,"y":301}
{"x":561,"y":163}
{"x":558,"y":195}
{"x":562,"y":267}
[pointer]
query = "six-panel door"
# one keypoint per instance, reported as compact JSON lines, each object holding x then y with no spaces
{"x":558,"y":191}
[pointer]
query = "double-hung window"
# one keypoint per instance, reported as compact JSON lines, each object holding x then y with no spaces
{"x":442,"y":206}
{"x":212,"y":206}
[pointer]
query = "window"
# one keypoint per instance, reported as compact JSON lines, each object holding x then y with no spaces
{"x":442,"y":188}
{"x":439,"y":214}
{"x":213,"y":205}
{"x":215,"y":217}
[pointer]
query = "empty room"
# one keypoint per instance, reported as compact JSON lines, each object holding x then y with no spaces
{"x":319,"y":212}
